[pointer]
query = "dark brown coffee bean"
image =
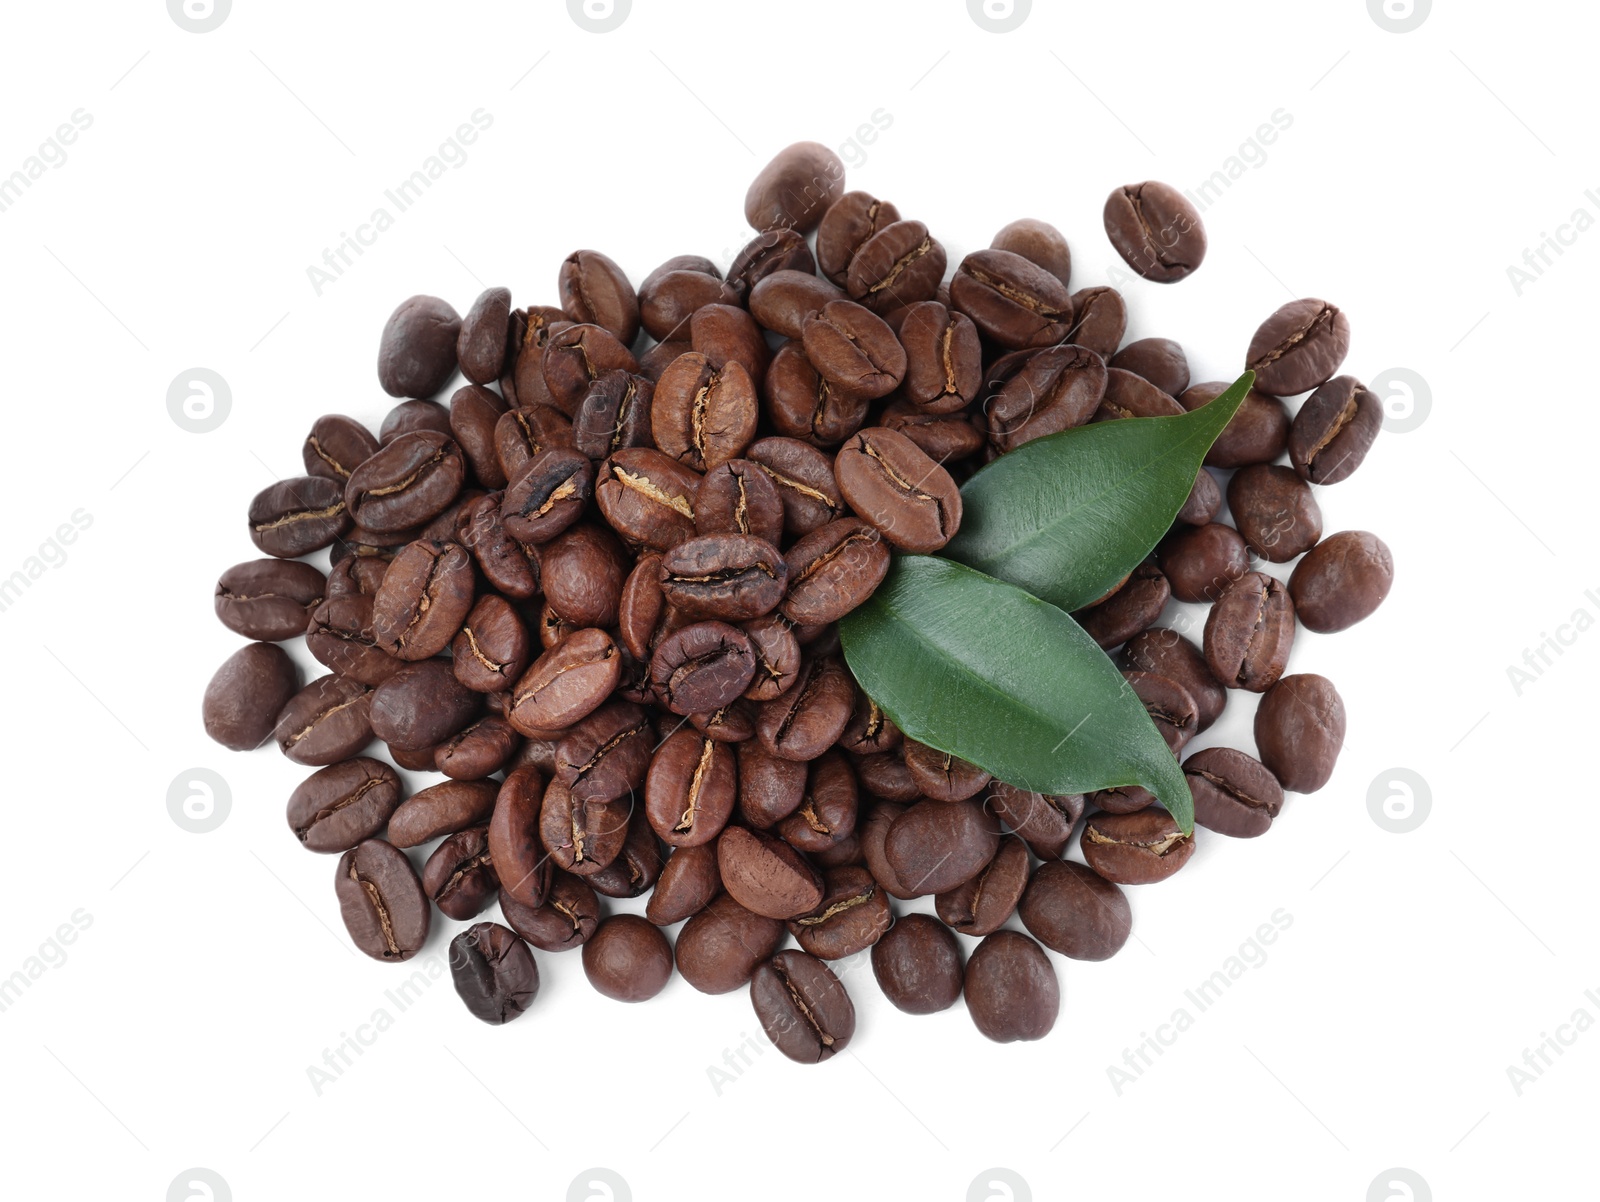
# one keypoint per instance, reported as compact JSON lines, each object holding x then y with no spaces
{"x":356,"y":573}
{"x":770,"y":788}
{"x":918,"y":965}
{"x":647,"y":497}
{"x":1135,"y":849}
{"x":565,"y":921}
{"x":1013,"y":302}
{"x":667,"y":300}
{"x":1334,"y":430}
{"x":246,"y":694}
{"x":507,"y":564}
{"x":1156,"y":230}
{"x":803,"y":1008}
{"x":477,"y":751}
{"x":688,"y":882}
{"x":413,"y":417}
{"x":269,"y":599}
{"x":337,"y":807}
{"x":720,"y":947}
{"x":493,"y":972}
{"x":342,"y":638}
{"x":1234,"y":794}
{"x":1133,"y":608}
{"x":832,"y":570}
{"x":581,"y":838}
{"x":1257,"y":433}
{"x":726,"y":334}
{"x":475,"y":412}
{"x":1040,"y":243}
{"x":795,"y":189}
{"x":1072,"y":910}
{"x":594,"y":290}
{"x":605,"y":756}
{"x":940,"y":775}
{"x":852,"y":916}
{"x":1159,"y":360}
{"x":690,"y":791}
{"x":738,"y":497}
{"x":1249,"y":633}
{"x":1125,"y":799}
{"x":547,"y":495}
{"x":1043,"y":821}
{"x":884,"y":775}
{"x":729,"y":576}
{"x":702,"y":667}
{"x":847,"y":225}
{"x":937,"y":845}
{"x":1299,"y":347}
{"x":483,"y":346}
{"x":1167,"y":653}
{"x":583,"y":569}
{"x":803,"y":476}
{"x":614,"y":414}
{"x":638,"y":865}
{"x":413,"y":761}
{"x":297,"y":516}
{"x":827,"y":812}
{"x":769,"y":252}
{"x":1054,"y":390}
{"x":874,"y":830}
{"x":1128,"y":395}
{"x":767,"y":875}
{"x":869,"y":731}
{"x":804,"y":404}
{"x":417,"y":354}
{"x":945,"y":438}
{"x":1299,"y":730}
{"x":493,"y":647}
{"x":1169,"y":705}
{"x":514,"y":844}
{"x":784,"y":299}
{"x":442,"y":809}
{"x":423,"y":600}
{"x":809,"y":718}
{"x":1011,"y":988}
{"x":566,"y":683}
{"x":944,"y":361}
{"x":336,"y":446}
{"x":1201,"y":562}
{"x":327,"y":721}
{"x":410,"y":480}
{"x":575,"y":357}
{"x":1274,"y":511}
{"x":899,"y":265}
{"x":459,"y":876}
{"x":982,"y":905}
{"x":422,"y":705}
{"x":530,"y":332}
{"x":1341,"y":581}
{"x":851,"y":347}
{"x":381,"y":901}
{"x":1099,"y":319}
{"x":627,"y":959}
{"x":524,"y":434}
{"x":891,"y":483}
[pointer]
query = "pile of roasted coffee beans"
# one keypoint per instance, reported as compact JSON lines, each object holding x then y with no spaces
{"x":598,"y":590}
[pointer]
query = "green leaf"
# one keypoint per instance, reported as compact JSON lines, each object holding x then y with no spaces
{"x":980,"y":669}
{"x":1069,"y":515}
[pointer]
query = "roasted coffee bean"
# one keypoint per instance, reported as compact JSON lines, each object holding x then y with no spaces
{"x":869,"y":730}
{"x":1099,"y":319}
{"x":413,"y":417}
{"x":566,"y":920}
{"x":565,"y":684}
{"x":606,"y":755}
{"x":945,"y":438}
{"x":729,"y":576}
{"x":795,"y":189}
{"x":688,"y":882}
{"x":337,"y":807}
{"x":297,"y":516}
{"x":770,"y":788}
{"x":582,"y":570}
{"x":638,"y":865}
{"x":853,"y":915}
{"x":475,"y":412}
{"x":1167,"y":653}
{"x":1044,"y":821}
{"x":1257,"y":433}
{"x":627,"y":959}
{"x":766,"y":875}
{"x":547,"y":495}
{"x":731,"y":723}
{"x":246,"y":694}
{"x":1274,"y":511}
{"x":847,"y":225}
{"x":530,"y":333}
{"x":739,"y":497}
{"x":804,"y":479}
{"x":413,"y":761}
{"x":492,"y":648}
{"x":803,"y":1008}
{"x":832,"y":570}
{"x":720,"y":947}
{"x":459,"y":876}
{"x":851,"y":347}
{"x":327,"y":721}
{"x":575,"y":357}
{"x":1201,"y":562}
{"x":982,"y":905}
{"x":1133,"y":608}
{"x":595,"y":291}
{"x":553,"y":628}
{"x":702,"y":667}
{"x":1011,"y":988}
{"x":809,"y":718}
{"x":1334,"y":430}
{"x":1013,"y":302}
{"x":356,"y":573}
{"x":884,"y":775}
{"x":784,"y":299}
{"x":1054,"y":390}
{"x":940,"y":775}
{"x":769,"y":252}
{"x":381,"y":901}
{"x":1299,"y":731}
{"x":423,"y":600}
{"x":524,"y":434}
{"x":902,"y":264}
{"x":483,"y":347}
{"x":668,"y":299}
{"x":581,"y":838}
{"x":1156,"y":230}
{"x":1129,"y":395}
{"x":640,"y":606}
{"x":937,"y":845}
{"x":1159,"y":360}
{"x":417,"y":355}
{"x":1072,"y":910}
{"x":494,"y":972}
{"x":442,"y":809}
{"x":483,"y":748}
{"x":1124,"y":799}
{"x":918,"y":965}
{"x":803,"y":404}
{"x":647,"y":497}
{"x":514,"y":844}
{"x":1169,"y":705}
{"x":1040,"y":243}
{"x":409,"y":481}
{"x":1341,"y":581}
{"x":944,"y":360}
{"x":269,"y":599}
{"x":342,"y":638}
{"x":1299,"y":347}
{"x":1234,"y":794}
{"x":336,"y":446}
{"x":826,"y":815}
{"x":873,"y":831}
{"x":1249,"y":633}
{"x":726,"y":334}
{"x":1135,"y":849}
{"x":614,"y":414}
{"x":891,"y":483}
{"x":422,"y":705}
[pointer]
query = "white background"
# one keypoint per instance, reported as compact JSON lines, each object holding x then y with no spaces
{"x":214,"y":971}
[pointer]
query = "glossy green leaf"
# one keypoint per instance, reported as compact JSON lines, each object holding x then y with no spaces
{"x":1069,"y":515}
{"x":980,"y":669}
